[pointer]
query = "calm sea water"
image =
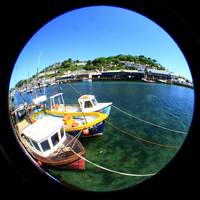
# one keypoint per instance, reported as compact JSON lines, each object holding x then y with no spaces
{"x":129,"y":145}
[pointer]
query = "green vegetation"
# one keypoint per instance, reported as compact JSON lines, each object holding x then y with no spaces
{"x":106,"y":63}
{"x":102,"y":63}
{"x":20,"y":83}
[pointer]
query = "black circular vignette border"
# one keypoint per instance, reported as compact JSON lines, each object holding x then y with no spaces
{"x":20,"y":20}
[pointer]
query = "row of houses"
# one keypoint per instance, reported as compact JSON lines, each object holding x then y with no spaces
{"x":148,"y":74}
{"x":117,"y":74}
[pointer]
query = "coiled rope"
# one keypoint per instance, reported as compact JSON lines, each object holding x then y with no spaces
{"x":110,"y":170}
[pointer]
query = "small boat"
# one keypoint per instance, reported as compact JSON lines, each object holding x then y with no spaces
{"x":148,"y":80}
{"x":90,"y":124}
{"x":29,"y":91}
{"x":161,"y":81}
{"x":86,"y":103}
{"x":39,"y":99}
{"x":21,"y":110}
{"x":87,"y":80}
{"x":47,"y":142}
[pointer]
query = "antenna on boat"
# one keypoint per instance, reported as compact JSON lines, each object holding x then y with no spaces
{"x":38,"y":70}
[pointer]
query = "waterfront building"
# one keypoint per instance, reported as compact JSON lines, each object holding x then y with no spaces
{"x":119,"y":75}
{"x":156,"y":74}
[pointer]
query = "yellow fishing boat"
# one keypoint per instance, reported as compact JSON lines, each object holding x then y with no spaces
{"x":91,"y":124}
{"x":86,"y":103}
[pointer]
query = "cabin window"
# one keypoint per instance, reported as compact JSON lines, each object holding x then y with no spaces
{"x":29,"y":141}
{"x":36,"y":145}
{"x":55,"y":139}
{"x":45,"y":145}
{"x":62,"y":132}
{"x":94,"y":102}
{"x":88,"y":104}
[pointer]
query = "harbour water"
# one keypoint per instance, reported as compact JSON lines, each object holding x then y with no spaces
{"x":128,"y":145}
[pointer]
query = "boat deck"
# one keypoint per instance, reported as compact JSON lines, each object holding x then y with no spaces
{"x":63,"y":155}
{"x":22,"y":124}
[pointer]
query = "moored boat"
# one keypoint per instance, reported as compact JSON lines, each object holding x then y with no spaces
{"x":87,"y":104}
{"x":90,"y":124}
{"x":161,"y":81}
{"x":48,"y":143}
{"x":148,"y":80}
{"x":21,"y":110}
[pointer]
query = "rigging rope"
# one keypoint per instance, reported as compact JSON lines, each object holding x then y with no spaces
{"x":74,"y":138}
{"x":110,"y":170}
{"x":141,"y":139}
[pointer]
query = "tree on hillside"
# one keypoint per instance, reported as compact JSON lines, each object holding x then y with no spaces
{"x":20,"y":83}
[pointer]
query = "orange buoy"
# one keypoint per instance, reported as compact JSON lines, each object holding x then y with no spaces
{"x":86,"y":132}
{"x":74,"y":123}
{"x":56,"y":106}
{"x":66,"y":118}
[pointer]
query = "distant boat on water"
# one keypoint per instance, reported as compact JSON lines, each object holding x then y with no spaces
{"x":148,"y":80}
{"x":161,"y":81}
{"x":87,"y":79}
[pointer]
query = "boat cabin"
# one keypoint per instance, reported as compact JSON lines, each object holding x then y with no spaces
{"x":38,"y":104}
{"x":56,"y":100}
{"x":45,"y":135}
{"x":38,"y":100}
{"x":87,"y":101}
{"x":21,"y":110}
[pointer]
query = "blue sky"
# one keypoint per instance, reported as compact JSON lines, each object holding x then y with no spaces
{"x":92,"y":32}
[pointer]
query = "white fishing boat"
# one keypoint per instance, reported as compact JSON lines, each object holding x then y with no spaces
{"x":161,"y":81}
{"x":47,"y":142}
{"x":39,"y":99}
{"x":87,"y":80}
{"x":89,"y":123}
{"x":21,"y":109}
{"x":148,"y":80}
{"x":86,"y":103}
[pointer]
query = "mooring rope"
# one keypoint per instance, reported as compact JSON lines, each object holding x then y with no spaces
{"x":140,"y":119}
{"x":76,"y":137}
{"x":147,"y":122}
{"x":142,"y":139}
{"x":110,"y":170}
{"x":74,"y":89}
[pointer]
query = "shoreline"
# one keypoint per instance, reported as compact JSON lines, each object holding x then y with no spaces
{"x":132,"y":79}
{"x":122,"y":79}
